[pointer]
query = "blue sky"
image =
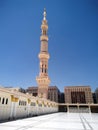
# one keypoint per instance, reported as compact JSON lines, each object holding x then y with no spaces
{"x":73,"y":42}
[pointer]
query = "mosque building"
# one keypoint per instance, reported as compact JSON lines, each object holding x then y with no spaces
{"x":72,"y":94}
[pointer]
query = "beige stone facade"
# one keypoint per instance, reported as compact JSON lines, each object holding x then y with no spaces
{"x":78,"y":94}
{"x":96,"y":95}
{"x":53,"y":92}
{"x":33,"y":91}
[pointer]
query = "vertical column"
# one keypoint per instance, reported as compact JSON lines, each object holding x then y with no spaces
{"x":68,"y":108}
{"x":89,"y":109}
{"x":14,"y":101}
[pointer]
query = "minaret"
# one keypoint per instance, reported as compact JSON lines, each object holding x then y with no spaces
{"x":43,"y":79}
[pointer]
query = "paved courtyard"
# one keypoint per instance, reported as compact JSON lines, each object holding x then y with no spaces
{"x":56,"y":121}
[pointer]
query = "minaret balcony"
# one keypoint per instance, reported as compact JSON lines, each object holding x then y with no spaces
{"x":44,"y":37}
{"x":43,"y":55}
{"x":45,"y":81}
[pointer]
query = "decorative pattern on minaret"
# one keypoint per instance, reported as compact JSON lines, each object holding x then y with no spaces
{"x":43,"y":79}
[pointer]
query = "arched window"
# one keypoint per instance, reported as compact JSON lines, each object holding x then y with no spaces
{"x":42,"y":68}
{"x":45,"y":69}
{"x":7,"y":101}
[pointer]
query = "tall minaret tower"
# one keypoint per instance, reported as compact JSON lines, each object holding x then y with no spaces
{"x":43,"y":79}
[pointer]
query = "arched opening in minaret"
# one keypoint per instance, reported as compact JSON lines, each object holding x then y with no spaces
{"x":45,"y":69}
{"x":42,"y":68}
{"x":44,"y":32}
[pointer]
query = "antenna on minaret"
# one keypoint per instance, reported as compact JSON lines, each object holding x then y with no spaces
{"x":44,"y":14}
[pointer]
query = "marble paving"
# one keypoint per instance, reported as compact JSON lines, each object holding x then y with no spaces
{"x":56,"y":121}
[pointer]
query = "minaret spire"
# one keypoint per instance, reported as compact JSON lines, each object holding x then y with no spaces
{"x":44,"y":14}
{"x":43,"y":79}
